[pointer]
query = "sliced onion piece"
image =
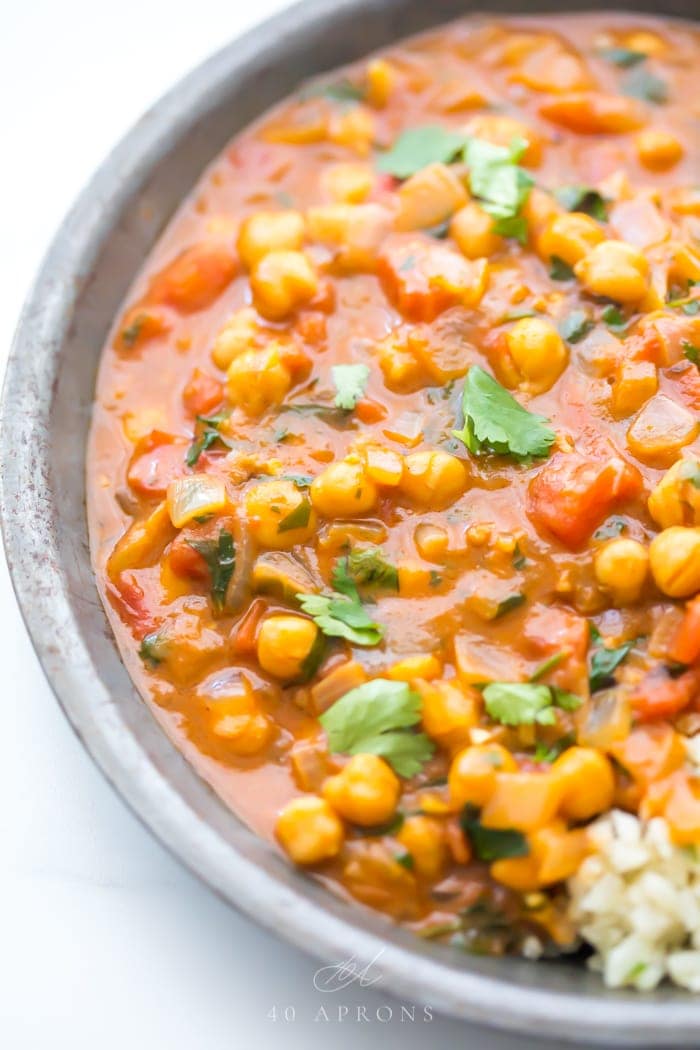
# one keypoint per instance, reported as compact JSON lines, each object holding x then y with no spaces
{"x":194,"y":495}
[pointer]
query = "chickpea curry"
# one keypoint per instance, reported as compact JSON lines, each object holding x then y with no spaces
{"x":394,"y":468}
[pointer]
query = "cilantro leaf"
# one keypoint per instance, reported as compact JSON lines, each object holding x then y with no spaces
{"x":612,"y":527}
{"x":350,"y":382}
{"x":152,"y":649}
{"x":614,"y":319}
{"x":501,"y":185}
{"x":511,"y":602}
{"x":640,"y":83}
{"x":550,"y":752}
{"x":491,"y":844}
{"x":341,"y":614}
{"x":207,"y":438}
{"x":377,"y":717}
{"x":691,"y":352}
{"x":417,"y":147}
{"x":560,"y":270}
{"x":516,"y":704}
{"x":297,"y":518}
{"x":335,"y":90}
{"x":690,"y":471}
{"x":371,"y":567}
{"x":605,"y":662}
{"x":220,"y":556}
{"x":574,"y":327}
{"x":526,"y":703}
{"x":495,"y":422}
{"x":622,"y":56}
{"x":582,"y":198}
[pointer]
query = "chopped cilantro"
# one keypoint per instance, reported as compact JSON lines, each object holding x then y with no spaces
{"x":350,"y":382}
{"x":511,"y":602}
{"x":560,"y":270}
{"x":614,"y":319}
{"x":491,"y":844}
{"x":550,"y":752}
{"x":152,"y":650}
{"x":605,"y":662}
{"x":209,"y":436}
{"x":575,"y":326}
{"x":526,"y":703}
{"x":622,"y":56}
{"x":691,"y":352}
{"x":341,"y":614}
{"x":335,"y":90}
{"x":377,"y":718}
{"x":546,"y":666}
{"x":640,"y":83}
{"x":370,"y":567}
{"x":220,"y":556}
{"x":495,"y":422}
{"x":131,"y":333}
{"x":582,"y":198}
{"x":297,"y":518}
{"x":612,"y":527}
{"x":501,"y":185}
{"x":417,"y":147}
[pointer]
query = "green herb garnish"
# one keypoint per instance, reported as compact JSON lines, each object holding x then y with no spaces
{"x":501,"y":185}
{"x":582,"y":198}
{"x":509,"y":603}
{"x":417,"y":147}
{"x":691,"y":352}
{"x":624,"y":57}
{"x":335,"y":90}
{"x":370,"y":567}
{"x":526,"y":703}
{"x":560,"y":270}
{"x":220,"y":556}
{"x":574,"y":327}
{"x":640,"y":83}
{"x":609,"y":529}
{"x":209,"y":436}
{"x":495,"y":422}
{"x":152,"y":649}
{"x":341,"y":614}
{"x":605,"y":662}
{"x":614,"y":319}
{"x":491,"y":844}
{"x":377,"y":718}
{"x":297,"y":518}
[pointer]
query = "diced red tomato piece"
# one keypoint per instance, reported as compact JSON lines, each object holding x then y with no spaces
{"x":659,"y":695}
{"x":685,"y":646}
{"x":196,"y":278}
{"x":688,"y":383}
{"x":422,"y":277}
{"x":311,"y":327}
{"x":246,"y":633}
{"x":589,"y":113}
{"x":185,"y":561}
{"x":368,"y":411}
{"x":129,"y":599}
{"x":203,"y":393}
{"x":158,"y":459}
{"x":573,"y":494}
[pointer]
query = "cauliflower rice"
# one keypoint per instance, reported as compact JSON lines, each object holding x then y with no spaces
{"x":637,"y":902}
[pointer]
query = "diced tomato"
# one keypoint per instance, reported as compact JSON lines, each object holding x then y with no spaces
{"x":196,"y":278}
{"x":128,"y":598}
{"x":688,"y":384}
{"x":423,"y":277}
{"x":296,"y":360}
{"x":589,"y":113}
{"x":311,"y":327}
{"x":202,"y":394}
{"x":245,"y":634}
{"x":649,"y":752}
{"x":139,"y":324}
{"x":325,"y":298}
{"x":158,"y":459}
{"x":368,"y":411}
{"x":685,"y":646}
{"x":573,"y":494}
{"x":659,"y":695}
{"x":186,"y":561}
{"x":676,"y":798}
{"x":550,"y":630}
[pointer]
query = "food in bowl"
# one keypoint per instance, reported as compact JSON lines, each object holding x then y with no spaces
{"x":394,"y":481}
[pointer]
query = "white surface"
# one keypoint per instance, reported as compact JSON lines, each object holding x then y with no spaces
{"x":106,"y":941}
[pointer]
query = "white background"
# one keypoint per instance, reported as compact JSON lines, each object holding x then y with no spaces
{"x":105,"y":941}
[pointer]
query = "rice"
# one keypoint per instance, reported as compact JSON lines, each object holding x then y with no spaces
{"x":636,"y":900}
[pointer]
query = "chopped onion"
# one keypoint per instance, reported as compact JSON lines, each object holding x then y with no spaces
{"x":192,"y":496}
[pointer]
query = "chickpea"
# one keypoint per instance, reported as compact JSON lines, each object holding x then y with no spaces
{"x":589,"y":784}
{"x":309,"y":831}
{"x":269,"y":231}
{"x":433,"y":478}
{"x":569,"y":237}
{"x":501,"y":130}
{"x":343,"y":490}
{"x":674,"y":559}
{"x":347,"y":183}
{"x":449,"y":713}
{"x":240,"y":722}
{"x":429,"y":197}
{"x":615,"y":270}
{"x":472,"y":229}
{"x":240,"y":332}
{"x":381,"y":80}
{"x":424,"y":838}
{"x":269,"y":504}
{"x":538,"y":353}
{"x":658,"y":150}
{"x":282,"y":282}
{"x":365,"y":792}
{"x":621,"y":568}
{"x":354,"y":231}
{"x":472,"y":776}
{"x":676,"y":499}
{"x":258,"y":379}
{"x":285,"y":644}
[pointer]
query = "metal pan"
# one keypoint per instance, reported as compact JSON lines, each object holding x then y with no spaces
{"x":45,"y":416}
